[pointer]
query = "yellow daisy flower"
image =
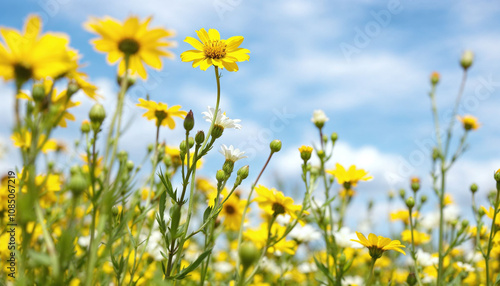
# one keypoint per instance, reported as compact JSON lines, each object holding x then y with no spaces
{"x":377,"y":245}
{"x":161,"y":112}
{"x":350,"y":177}
{"x":212,"y":50}
{"x":403,"y":215}
{"x":23,"y":140}
{"x":469,"y":122}
{"x":490,"y":213}
{"x":418,"y":237}
{"x":31,"y":55}
{"x":273,"y":202}
{"x":133,"y":39}
{"x":232,"y":212}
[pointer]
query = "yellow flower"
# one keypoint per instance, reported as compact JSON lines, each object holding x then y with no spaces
{"x":403,"y":215}
{"x":232,"y":212}
{"x":161,"y":112}
{"x":377,"y":245}
{"x":259,"y":237}
{"x":273,"y":202}
{"x":490,"y":213}
{"x":131,"y":39}
{"x":80,"y":78}
{"x":469,"y":122}
{"x":214,"y":51}
{"x":31,"y":55}
{"x":305,"y":152}
{"x":23,"y":140}
{"x":350,"y":177}
{"x":418,"y":237}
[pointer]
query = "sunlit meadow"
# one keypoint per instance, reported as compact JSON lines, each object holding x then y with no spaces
{"x":198,"y":210}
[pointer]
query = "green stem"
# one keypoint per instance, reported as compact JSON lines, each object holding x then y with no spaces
{"x":48,"y":241}
{"x":370,"y":277}
{"x":490,"y":240}
{"x":413,"y":253}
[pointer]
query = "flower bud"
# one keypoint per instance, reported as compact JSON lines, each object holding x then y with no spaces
{"x":305,"y":152}
{"x":97,"y":115}
{"x":122,"y":156}
{"x":497,"y":175}
{"x":480,"y":212}
{"x":467,"y":59}
{"x":435,"y":78}
{"x":415,"y":184}
{"x":77,"y":184}
{"x":248,"y":253}
{"x":72,"y":88}
{"x":220,"y":175}
{"x":228,"y":166}
{"x":182,"y":147}
{"x":217,"y":131}
{"x":151,"y":147}
{"x":334,"y":137}
{"x":402,"y":193}
{"x":435,"y":154}
{"x":423,"y":199}
{"x":200,"y":137}
{"x":465,"y":224}
{"x":115,"y":211}
{"x":189,"y":121}
{"x":85,"y":127}
{"x":473,"y":188}
{"x":130,"y":80}
{"x":243,"y":172}
{"x":410,"y":202}
{"x":411,"y":279}
{"x":130,"y":165}
{"x":191,"y":142}
{"x":275,"y":146}
{"x":38,"y":92}
{"x":321,"y":154}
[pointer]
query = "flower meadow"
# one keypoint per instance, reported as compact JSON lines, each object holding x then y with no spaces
{"x":108,"y":221}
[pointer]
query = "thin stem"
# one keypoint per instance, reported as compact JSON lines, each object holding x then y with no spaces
{"x":455,"y":110}
{"x":490,"y":240}
{"x":370,"y":277}
{"x":413,"y":253}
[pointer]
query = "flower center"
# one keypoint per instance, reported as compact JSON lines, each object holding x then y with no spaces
{"x":160,"y":115}
{"x":129,"y":46}
{"x":22,"y":73}
{"x":278,"y":209}
{"x":230,"y":209}
{"x":215,"y":49}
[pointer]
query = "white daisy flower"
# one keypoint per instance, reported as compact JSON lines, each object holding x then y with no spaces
{"x":231,"y":154}
{"x":221,"y":119}
{"x":305,"y":233}
{"x":319,"y":117}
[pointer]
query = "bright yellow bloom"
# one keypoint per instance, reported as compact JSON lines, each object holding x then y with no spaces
{"x":232,"y":212}
{"x":469,"y":122}
{"x":259,"y":237}
{"x":490,"y":213}
{"x":212,"y":50}
{"x":378,"y":244}
{"x":273,"y":202}
{"x":418,"y":237}
{"x":350,"y":177}
{"x":403,"y":215}
{"x":161,"y":113}
{"x":23,"y":141}
{"x":305,"y":152}
{"x":133,"y":39}
{"x":31,"y":55}
{"x":80,"y":78}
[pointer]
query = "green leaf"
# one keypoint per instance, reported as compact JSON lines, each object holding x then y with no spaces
{"x":181,"y":275}
{"x":168,"y":186}
{"x":324,"y":270}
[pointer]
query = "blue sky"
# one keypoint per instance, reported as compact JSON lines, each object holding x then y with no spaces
{"x":365,"y":63}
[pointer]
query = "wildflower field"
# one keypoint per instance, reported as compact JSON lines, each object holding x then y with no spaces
{"x":196,"y":209}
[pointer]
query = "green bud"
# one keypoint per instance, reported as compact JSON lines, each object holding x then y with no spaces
{"x":321,"y":154}
{"x":467,"y":59}
{"x":325,"y":138}
{"x":342,"y":259}
{"x":182,"y":147}
{"x":411,"y":279}
{"x":189,"y":121}
{"x":191,"y":142}
{"x":122,"y":156}
{"x":435,"y":154}
{"x":435,"y":78}
{"x":38,"y":92}
{"x":115,"y":211}
{"x":410,"y":202}
{"x":402,"y":193}
{"x":423,"y":199}
{"x":130,"y":80}
{"x":275,"y":146}
{"x":497,"y":175}
{"x":243,"y":172}
{"x":473,"y":188}
{"x":72,"y":88}
{"x":220,"y":175}
{"x":200,"y":137}
{"x":248,"y":253}
{"x":130,"y":165}
{"x":77,"y":184}
{"x":480,"y":212}
{"x":150,"y":147}
{"x":85,"y":127}
{"x":334,"y":137}
{"x":97,"y":113}
{"x":217,"y":131}
{"x":74,"y":169}
{"x":465,"y":224}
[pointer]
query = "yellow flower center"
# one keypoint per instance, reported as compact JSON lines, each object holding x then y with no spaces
{"x":128,"y":46}
{"x":215,"y":49}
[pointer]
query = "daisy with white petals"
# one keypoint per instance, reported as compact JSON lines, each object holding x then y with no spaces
{"x":221,"y":120}
{"x":319,"y":118}
{"x":231,"y":154}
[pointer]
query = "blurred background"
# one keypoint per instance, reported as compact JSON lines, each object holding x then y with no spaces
{"x":365,"y":63}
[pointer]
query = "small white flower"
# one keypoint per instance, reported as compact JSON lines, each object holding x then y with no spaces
{"x":451,"y":213}
{"x":307,"y":267}
{"x":352,"y":280}
{"x":465,"y":266}
{"x":231,"y":154}
{"x":221,"y":119}
{"x":343,"y":238}
{"x":319,"y":117}
{"x":305,"y":233}
{"x":426,"y":259}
